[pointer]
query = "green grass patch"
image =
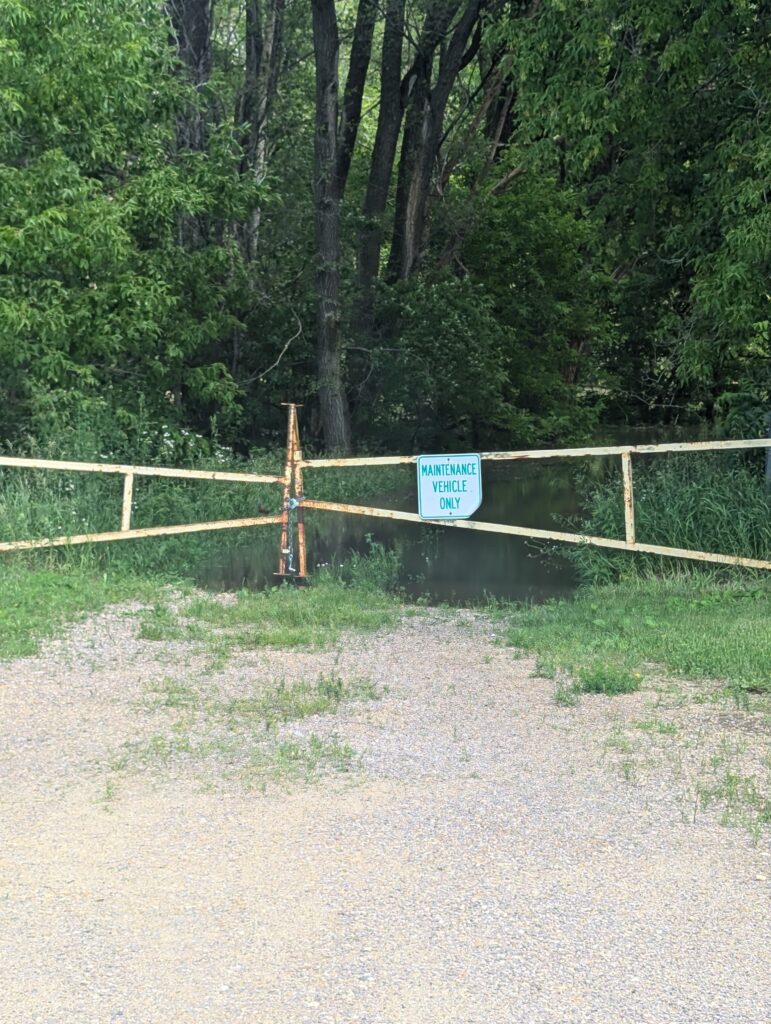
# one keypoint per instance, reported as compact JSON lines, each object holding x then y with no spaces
{"x":607,"y":639}
{"x":40,"y":599}
{"x":293,"y":617}
{"x":567,"y":695}
{"x":242,"y":736}
{"x":656,"y":726}
{"x":705,"y":501}
{"x":741,"y":801}
{"x":609,"y":679}
{"x":266,"y":706}
{"x":285,"y":703}
{"x":38,"y":602}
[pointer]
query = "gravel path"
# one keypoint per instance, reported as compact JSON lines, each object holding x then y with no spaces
{"x":486,"y":863}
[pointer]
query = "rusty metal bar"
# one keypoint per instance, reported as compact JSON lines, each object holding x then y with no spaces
{"x":150,"y":531}
{"x":551,"y":453}
{"x":128,"y":492}
{"x":182,"y":474}
{"x":286,"y":493}
{"x":526,"y":531}
{"x":626,"y":468}
{"x":298,"y":493}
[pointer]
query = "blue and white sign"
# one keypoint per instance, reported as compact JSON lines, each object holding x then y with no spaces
{"x":449,"y":486}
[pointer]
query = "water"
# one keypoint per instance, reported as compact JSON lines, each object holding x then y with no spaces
{"x":458,"y":566}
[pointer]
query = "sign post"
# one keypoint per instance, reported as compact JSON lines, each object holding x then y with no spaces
{"x":449,"y":486}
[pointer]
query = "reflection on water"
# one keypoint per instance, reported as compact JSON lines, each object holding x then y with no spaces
{"x":458,"y":566}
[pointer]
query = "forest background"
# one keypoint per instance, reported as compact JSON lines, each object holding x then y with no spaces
{"x":456,"y":224}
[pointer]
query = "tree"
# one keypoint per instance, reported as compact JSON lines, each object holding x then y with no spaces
{"x":335,"y":138}
{"x":662,"y":119}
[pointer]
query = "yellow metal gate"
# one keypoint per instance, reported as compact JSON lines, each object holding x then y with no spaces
{"x":295,"y":502}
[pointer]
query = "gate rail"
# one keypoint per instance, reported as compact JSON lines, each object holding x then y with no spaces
{"x":294,"y":501}
{"x":626,"y":451}
{"x":128,"y":473}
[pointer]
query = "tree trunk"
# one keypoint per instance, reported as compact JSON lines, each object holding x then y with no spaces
{"x":191,"y":25}
{"x":263,"y":38}
{"x":423,"y":127}
{"x":381,"y":167}
{"x":332,"y":398}
{"x":333,"y":150}
{"x":191,"y":22}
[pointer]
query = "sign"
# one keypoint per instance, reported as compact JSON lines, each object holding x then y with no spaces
{"x":449,"y":486}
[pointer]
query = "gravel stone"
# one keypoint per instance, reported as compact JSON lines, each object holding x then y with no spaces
{"x":485,"y":863}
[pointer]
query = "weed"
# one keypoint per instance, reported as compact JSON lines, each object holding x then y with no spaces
{"x":172,"y":694}
{"x":619,"y":741}
{"x":286,"y":703}
{"x":109,"y":794}
{"x":742,"y":802}
{"x":607,"y":679}
{"x":545,"y":667}
{"x":567,"y":695}
{"x":628,"y":770}
{"x":159,"y":623}
{"x":243,"y":735}
{"x":291,"y":760}
{"x":657,"y":726}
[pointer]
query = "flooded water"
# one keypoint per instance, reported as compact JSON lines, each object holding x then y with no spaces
{"x":458,"y":566}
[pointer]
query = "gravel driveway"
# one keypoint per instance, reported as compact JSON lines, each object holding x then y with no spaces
{"x":484,"y":861}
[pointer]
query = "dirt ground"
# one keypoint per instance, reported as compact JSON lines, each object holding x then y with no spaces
{"x":449,"y":847}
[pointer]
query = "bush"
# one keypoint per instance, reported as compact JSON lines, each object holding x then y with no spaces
{"x":710,"y":501}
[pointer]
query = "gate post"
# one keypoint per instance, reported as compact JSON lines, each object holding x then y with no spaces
{"x":626,"y":472}
{"x":299,"y":496}
{"x":291,"y":500}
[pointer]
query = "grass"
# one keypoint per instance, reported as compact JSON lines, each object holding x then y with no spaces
{"x":285,"y":703}
{"x":266,"y":706}
{"x":291,"y":617}
{"x":40,"y":598}
{"x":656,"y":726}
{"x":608,"y":639}
{"x":281,"y":617}
{"x":39,"y":601}
{"x":707,"y":501}
{"x":616,"y":639}
{"x":741,"y":801}
{"x":242,"y":735}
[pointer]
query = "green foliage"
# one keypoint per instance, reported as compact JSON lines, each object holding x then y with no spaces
{"x":608,"y":251}
{"x":448,"y":371}
{"x":40,"y":601}
{"x":100,"y":307}
{"x":607,"y":679}
{"x":659,"y":113}
{"x":490,"y":355}
{"x":37,"y":503}
{"x":610,"y":638}
{"x":528,"y":250}
{"x":289,"y":702}
{"x":378,"y":570}
{"x":707,"y":501}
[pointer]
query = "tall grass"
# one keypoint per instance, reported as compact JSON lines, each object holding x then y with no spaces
{"x":710,"y":501}
{"x":42,"y":503}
